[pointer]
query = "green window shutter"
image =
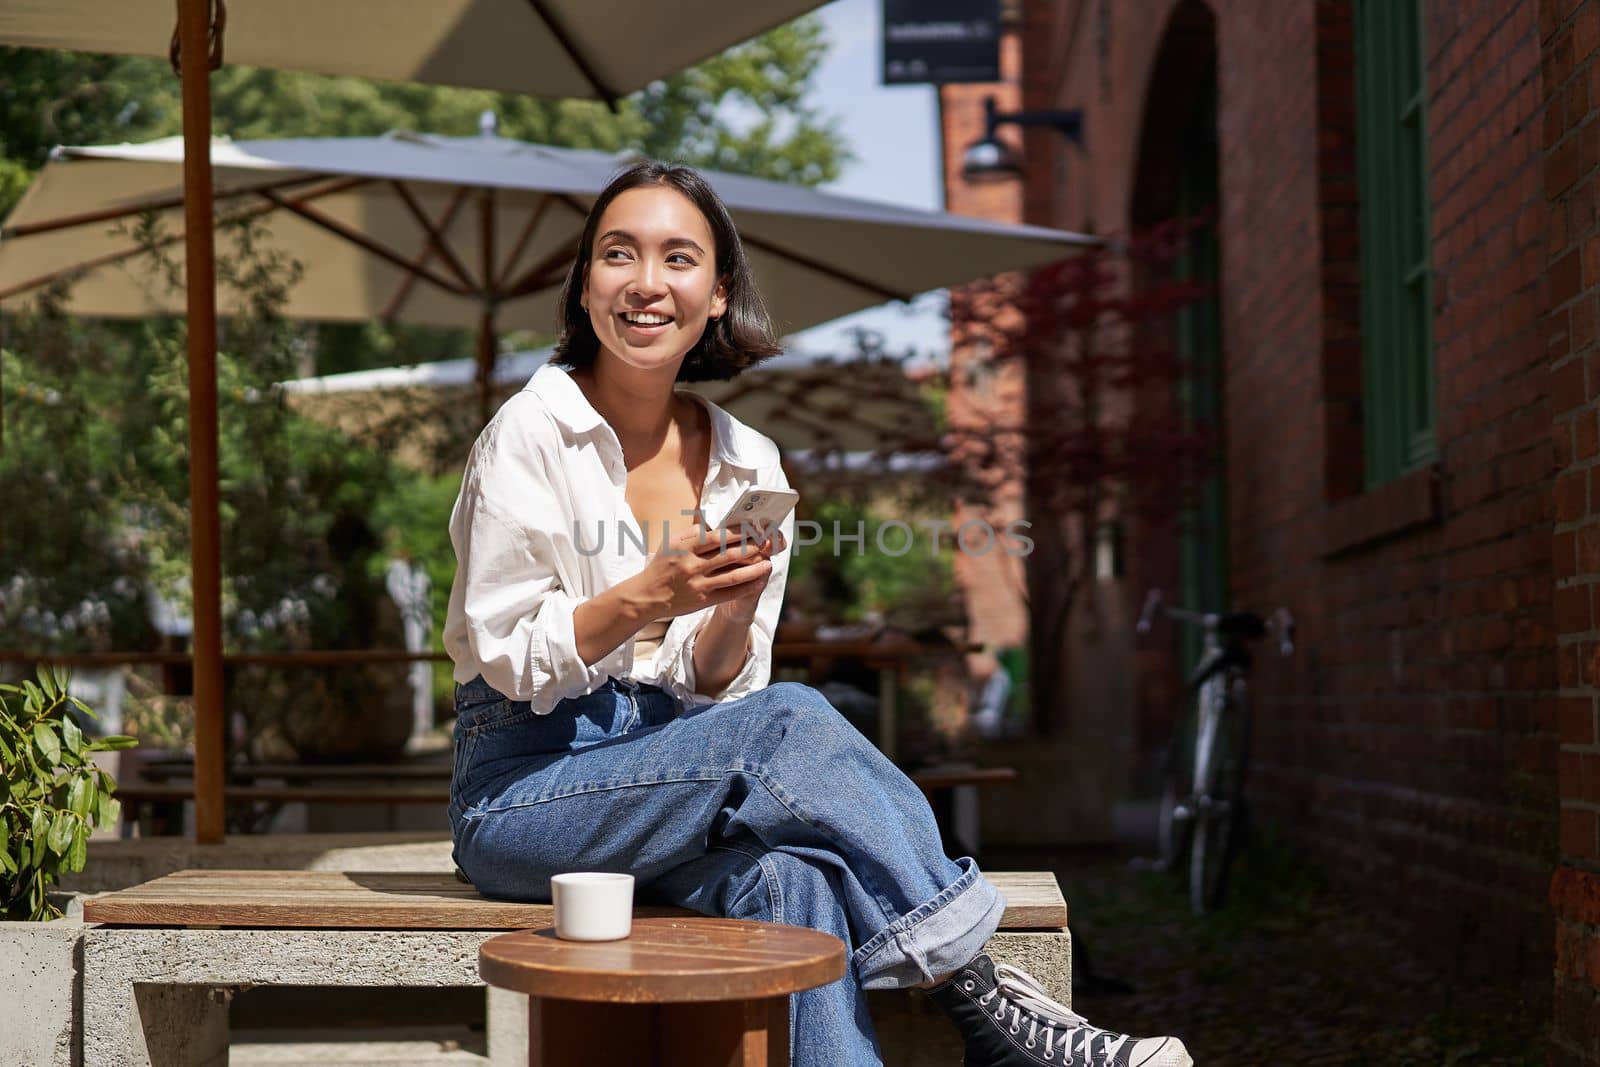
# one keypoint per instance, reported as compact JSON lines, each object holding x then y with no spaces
{"x":1396,"y":254}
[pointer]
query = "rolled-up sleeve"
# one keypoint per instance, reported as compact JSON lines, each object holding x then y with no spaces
{"x":517,"y":616}
{"x":756,"y":671}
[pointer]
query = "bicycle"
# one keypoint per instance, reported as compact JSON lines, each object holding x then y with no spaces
{"x":1202,"y":805}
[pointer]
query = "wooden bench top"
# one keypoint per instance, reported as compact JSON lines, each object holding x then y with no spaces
{"x":385,"y":900}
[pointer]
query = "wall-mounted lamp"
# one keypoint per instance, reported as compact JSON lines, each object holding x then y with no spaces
{"x":990,"y":159}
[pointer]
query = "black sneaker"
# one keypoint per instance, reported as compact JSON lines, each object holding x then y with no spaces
{"x":1009,"y":1021}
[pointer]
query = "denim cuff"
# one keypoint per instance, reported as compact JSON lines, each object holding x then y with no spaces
{"x":938,"y":937}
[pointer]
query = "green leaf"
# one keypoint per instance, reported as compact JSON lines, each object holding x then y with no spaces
{"x":100,"y":798}
{"x":80,"y":800}
{"x":7,"y":862}
{"x":72,"y":736}
{"x":80,"y":848}
{"x":110,"y":810}
{"x":5,"y":752}
{"x":39,"y":830}
{"x":114,"y":741}
{"x":44,"y":738}
{"x":60,"y":838}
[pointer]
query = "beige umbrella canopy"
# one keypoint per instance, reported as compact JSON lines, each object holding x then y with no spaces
{"x":475,"y":232}
{"x":568,"y":48}
{"x":576,"y":48}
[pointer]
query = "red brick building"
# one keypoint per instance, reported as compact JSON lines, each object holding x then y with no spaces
{"x":1405,"y":372}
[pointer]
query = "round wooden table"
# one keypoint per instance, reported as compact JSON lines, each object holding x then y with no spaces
{"x":678,"y":992}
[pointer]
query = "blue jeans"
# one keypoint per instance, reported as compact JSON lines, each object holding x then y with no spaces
{"x":772,"y":807}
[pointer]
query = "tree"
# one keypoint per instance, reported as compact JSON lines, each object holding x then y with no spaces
{"x":50,"y":98}
{"x":1098,"y":439}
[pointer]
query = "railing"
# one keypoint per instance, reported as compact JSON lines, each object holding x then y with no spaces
{"x":888,"y":653}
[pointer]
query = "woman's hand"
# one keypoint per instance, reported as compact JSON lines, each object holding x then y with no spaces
{"x":724,"y":645}
{"x":702,"y":568}
{"x":695,"y":571}
{"x":742,"y":607}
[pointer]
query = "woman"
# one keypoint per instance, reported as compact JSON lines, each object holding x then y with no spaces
{"x":612,"y":661}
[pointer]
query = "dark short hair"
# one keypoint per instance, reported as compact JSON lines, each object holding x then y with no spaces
{"x":742,"y":337}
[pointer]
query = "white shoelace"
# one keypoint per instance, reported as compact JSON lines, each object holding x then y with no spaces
{"x":1017,"y":990}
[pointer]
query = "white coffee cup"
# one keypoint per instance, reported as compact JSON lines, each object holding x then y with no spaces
{"x":592,"y":905}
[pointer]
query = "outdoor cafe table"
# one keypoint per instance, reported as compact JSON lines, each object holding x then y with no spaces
{"x":687,"y":991}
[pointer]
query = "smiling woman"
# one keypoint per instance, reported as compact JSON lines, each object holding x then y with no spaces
{"x":659,"y":258}
{"x":613,"y":711}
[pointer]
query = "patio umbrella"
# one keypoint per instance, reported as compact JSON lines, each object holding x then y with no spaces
{"x":595,"y":49}
{"x":561,"y":47}
{"x":475,"y":232}
{"x":818,"y":411}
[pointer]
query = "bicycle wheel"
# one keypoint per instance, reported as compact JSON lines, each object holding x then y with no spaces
{"x":1219,"y":822}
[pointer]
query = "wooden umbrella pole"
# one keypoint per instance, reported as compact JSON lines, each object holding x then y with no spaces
{"x":194,"y":28}
{"x":490,"y":297}
{"x":486,"y":342}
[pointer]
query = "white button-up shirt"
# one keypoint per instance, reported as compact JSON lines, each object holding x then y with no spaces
{"x":542,"y":524}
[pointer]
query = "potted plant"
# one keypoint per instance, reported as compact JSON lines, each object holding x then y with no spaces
{"x":52,"y":796}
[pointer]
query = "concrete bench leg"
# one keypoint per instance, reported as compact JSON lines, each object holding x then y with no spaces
{"x":508,"y":1028}
{"x":156,"y":1026}
{"x":158,"y":997}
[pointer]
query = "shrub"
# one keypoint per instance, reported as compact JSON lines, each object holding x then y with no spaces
{"x":51,"y":793}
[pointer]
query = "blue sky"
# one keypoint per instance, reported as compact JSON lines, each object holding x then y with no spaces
{"x":894,"y":134}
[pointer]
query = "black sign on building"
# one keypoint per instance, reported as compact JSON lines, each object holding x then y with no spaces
{"x":940,"y":41}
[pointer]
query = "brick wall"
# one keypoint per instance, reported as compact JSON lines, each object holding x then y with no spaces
{"x":993,"y":586}
{"x":1569,"y":37}
{"x":1423,"y":761}
{"x":1412,"y":742}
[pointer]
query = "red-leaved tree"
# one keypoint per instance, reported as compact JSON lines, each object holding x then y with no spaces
{"x":1064,"y":389}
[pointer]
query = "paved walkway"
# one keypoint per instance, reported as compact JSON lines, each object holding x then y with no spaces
{"x":1287,"y":974}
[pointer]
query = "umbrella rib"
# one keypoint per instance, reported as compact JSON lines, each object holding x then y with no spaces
{"x":361,"y":240}
{"x":523,"y":239}
{"x":537,"y":276}
{"x":823,"y":268}
{"x":402,"y":292}
{"x":436,"y":242}
{"x":579,"y":60}
{"x":127,"y":253}
{"x":163,"y":203}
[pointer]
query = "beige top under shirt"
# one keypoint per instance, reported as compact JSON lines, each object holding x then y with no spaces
{"x":645,"y":643}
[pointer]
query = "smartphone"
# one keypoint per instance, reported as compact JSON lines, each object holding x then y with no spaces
{"x":759,"y":509}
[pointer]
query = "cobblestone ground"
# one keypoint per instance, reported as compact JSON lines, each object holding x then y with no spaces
{"x":1287,"y":974}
